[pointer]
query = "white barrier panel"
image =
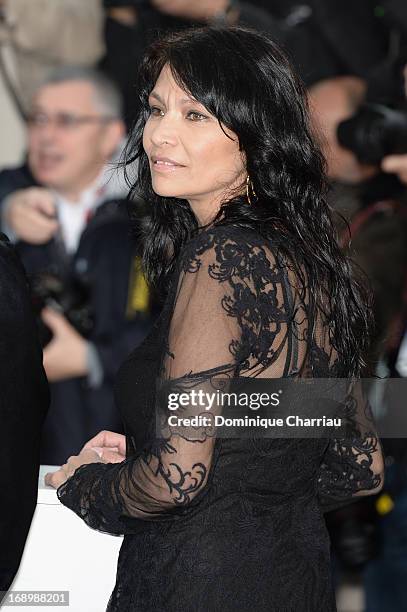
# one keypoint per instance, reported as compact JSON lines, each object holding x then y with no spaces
{"x":63,"y":554}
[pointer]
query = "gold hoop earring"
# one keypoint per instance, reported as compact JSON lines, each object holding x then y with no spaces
{"x":250,"y":188}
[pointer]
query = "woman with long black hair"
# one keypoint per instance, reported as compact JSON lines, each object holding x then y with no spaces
{"x":241,"y":240}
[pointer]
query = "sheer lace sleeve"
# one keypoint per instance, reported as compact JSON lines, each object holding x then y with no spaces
{"x":352,"y":466}
{"x":230,"y":317}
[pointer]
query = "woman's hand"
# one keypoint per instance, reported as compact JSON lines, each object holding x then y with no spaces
{"x":105,"y":447}
{"x":56,"y":479}
{"x":110,"y":446}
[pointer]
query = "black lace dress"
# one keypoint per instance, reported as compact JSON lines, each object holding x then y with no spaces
{"x":216,"y":524}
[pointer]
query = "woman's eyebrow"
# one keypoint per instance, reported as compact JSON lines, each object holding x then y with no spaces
{"x":155,"y":95}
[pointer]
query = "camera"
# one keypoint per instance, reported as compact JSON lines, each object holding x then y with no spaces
{"x":70,"y":297}
{"x":374,"y":132}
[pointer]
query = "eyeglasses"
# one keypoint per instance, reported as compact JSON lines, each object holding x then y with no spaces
{"x":65,"y":121}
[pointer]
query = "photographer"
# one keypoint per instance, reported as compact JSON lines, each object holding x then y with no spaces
{"x":74,"y":239}
{"x":361,"y":140}
{"x":355,"y":141}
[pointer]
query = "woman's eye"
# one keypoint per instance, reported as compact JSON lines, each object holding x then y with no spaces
{"x":154,"y":110}
{"x":195,"y":116}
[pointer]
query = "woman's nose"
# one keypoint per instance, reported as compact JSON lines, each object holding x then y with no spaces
{"x":164,"y":131}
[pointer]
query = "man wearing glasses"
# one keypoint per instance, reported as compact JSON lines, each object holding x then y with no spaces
{"x":62,"y":211}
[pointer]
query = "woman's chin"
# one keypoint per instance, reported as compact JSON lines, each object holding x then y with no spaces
{"x":168,"y":193}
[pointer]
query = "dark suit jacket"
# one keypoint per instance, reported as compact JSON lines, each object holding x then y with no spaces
{"x":24,"y":401}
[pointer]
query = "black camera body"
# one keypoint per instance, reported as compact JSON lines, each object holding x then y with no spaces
{"x":374,"y":132}
{"x":70,"y":297}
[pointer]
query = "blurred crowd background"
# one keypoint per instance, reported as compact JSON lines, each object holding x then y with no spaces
{"x":68,"y":95}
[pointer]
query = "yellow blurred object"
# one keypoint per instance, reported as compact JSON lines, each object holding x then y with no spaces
{"x":384,"y":504}
{"x":139,"y":295}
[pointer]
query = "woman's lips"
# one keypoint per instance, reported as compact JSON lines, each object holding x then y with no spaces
{"x":165,"y":166}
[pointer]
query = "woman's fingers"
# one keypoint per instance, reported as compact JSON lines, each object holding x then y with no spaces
{"x":111,"y":455}
{"x":107,"y":439}
{"x":55,"y":479}
{"x":96,"y":441}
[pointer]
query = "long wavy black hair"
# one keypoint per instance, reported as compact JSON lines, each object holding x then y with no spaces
{"x":244,"y":79}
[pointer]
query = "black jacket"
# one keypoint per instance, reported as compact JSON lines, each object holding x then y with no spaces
{"x":24,"y":400}
{"x":104,"y":263}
